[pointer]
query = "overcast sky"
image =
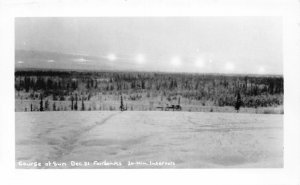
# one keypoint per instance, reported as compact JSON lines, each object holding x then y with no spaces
{"x":177,"y":44}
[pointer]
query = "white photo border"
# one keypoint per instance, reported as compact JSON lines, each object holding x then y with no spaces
{"x":287,"y":9}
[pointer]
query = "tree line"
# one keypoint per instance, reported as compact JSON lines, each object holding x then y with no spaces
{"x":222,"y":90}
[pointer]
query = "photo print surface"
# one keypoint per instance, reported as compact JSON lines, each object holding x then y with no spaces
{"x":148,"y":92}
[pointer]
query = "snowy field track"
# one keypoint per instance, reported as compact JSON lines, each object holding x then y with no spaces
{"x":112,"y":139}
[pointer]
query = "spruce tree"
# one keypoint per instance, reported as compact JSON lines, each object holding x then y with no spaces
{"x":238,"y":102}
{"x":41,"y":104}
{"x":46,"y":105}
{"x":82,"y":104}
{"x":54,"y":106}
{"x":76,"y":99}
{"x":122,"y":104}
{"x":72,"y":102}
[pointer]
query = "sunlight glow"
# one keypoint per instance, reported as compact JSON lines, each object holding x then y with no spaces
{"x":229,"y":66}
{"x":81,"y":60}
{"x":200,"y":62}
{"x":176,"y":62}
{"x":20,"y":62}
{"x":140,"y":59}
{"x":50,"y":61}
{"x":112,"y":57}
{"x":261,"y":70}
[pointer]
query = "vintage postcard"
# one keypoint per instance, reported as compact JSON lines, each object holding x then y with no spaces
{"x":149,"y":92}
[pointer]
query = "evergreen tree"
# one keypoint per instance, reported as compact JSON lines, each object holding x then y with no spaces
{"x":88,"y":84}
{"x":76,"y":99}
{"x":238,"y":102}
{"x":82,"y":104}
{"x":54,"y":106}
{"x":72,"y":102}
{"x":122,"y":104}
{"x":41,"y":104}
{"x":96,"y":84}
{"x":46,"y":105}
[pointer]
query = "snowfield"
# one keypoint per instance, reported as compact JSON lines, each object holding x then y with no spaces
{"x":146,"y":139}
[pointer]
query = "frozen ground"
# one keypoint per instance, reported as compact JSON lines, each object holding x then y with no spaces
{"x":186,"y":139}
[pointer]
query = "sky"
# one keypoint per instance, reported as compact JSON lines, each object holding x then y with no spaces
{"x":237,"y":45}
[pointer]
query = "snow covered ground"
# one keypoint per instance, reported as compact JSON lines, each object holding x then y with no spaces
{"x":145,"y":139}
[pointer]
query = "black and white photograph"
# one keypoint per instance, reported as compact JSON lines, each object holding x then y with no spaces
{"x":149,"y":92}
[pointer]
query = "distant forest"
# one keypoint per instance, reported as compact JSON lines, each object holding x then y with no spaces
{"x":207,"y":89}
